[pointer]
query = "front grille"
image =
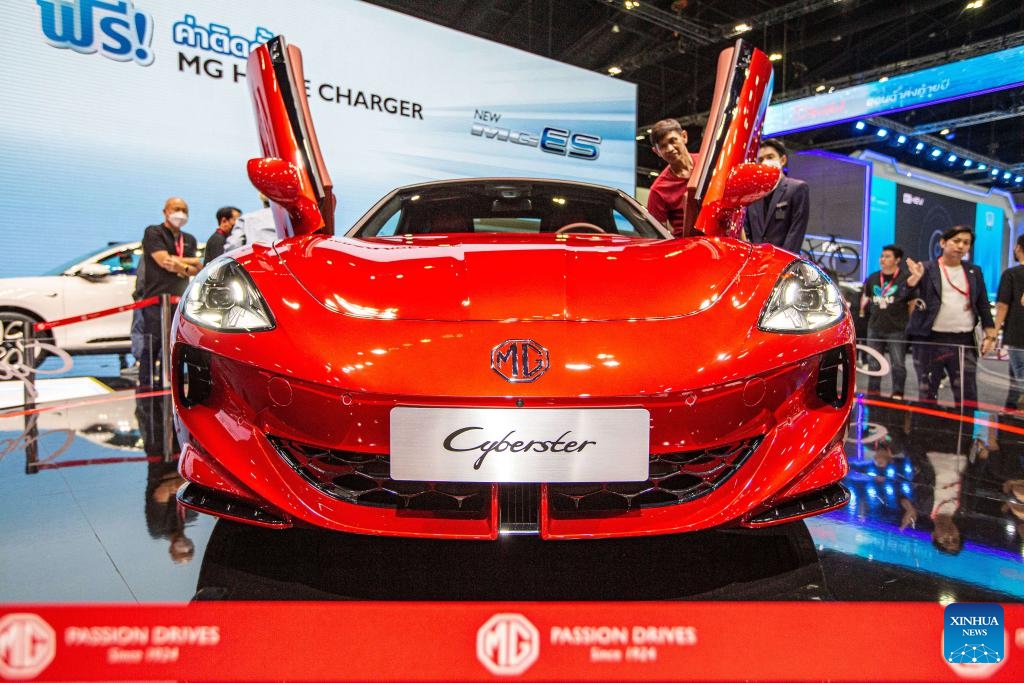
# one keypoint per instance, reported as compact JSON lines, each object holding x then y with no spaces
{"x":363,"y":479}
{"x":674,"y":478}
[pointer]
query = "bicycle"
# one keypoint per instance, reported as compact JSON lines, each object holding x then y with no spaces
{"x":834,"y":257}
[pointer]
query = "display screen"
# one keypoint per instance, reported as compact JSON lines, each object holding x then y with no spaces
{"x":915,"y":219}
{"x":985,"y":73}
{"x":109,"y":108}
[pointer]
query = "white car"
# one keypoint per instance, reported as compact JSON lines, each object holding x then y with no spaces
{"x":100,"y":280}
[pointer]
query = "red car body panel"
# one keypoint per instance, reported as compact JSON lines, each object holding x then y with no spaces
{"x":290,"y":424}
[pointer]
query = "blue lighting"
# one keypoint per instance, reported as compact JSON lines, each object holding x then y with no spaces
{"x":1019,"y":179}
{"x":936,"y":152}
{"x":1007,"y":175}
{"x":994,"y":171}
{"x":951,"y":158}
{"x":968,"y":163}
{"x":881,"y":132}
{"x":901,"y":139}
{"x":982,"y":167}
{"x":860,"y":125}
{"x":918,"y":147}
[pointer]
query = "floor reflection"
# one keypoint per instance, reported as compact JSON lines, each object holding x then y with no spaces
{"x":937,"y":513}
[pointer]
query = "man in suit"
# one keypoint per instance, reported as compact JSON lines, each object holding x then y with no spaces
{"x":951,"y":299}
{"x":780,"y":218}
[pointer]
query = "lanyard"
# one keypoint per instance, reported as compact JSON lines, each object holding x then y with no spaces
{"x":886,"y":287}
{"x":967,"y":281}
{"x":179,"y":245}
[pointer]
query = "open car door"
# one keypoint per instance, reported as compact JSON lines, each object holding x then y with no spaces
{"x":291,"y":173}
{"x":724,"y":181}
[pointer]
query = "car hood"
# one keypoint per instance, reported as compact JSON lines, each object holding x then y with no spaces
{"x":514,"y":277}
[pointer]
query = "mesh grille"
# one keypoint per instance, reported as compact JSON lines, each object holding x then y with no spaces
{"x":674,"y":478}
{"x":519,"y":507}
{"x":363,"y":479}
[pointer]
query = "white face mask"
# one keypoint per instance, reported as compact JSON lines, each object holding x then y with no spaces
{"x":178,"y":219}
{"x":772,"y":162}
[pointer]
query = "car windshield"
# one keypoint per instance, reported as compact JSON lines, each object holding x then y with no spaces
{"x":514,"y":206}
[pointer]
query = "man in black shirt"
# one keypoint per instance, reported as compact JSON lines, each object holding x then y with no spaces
{"x":226,"y":217}
{"x":887,"y":293}
{"x":1010,"y":318}
{"x":169,"y":259}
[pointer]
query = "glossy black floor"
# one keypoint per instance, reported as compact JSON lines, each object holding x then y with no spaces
{"x":86,"y":499}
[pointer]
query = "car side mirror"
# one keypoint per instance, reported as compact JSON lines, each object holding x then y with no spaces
{"x":749,"y":182}
{"x":93,"y":271}
{"x":745,"y":184}
{"x":282,"y":183}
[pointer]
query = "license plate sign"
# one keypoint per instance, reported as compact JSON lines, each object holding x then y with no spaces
{"x":519,"y":445}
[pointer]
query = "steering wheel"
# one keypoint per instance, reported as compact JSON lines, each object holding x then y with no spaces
{"x":581,"y":226}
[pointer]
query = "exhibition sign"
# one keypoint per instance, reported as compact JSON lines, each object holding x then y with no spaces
{"x":974,"y":76}
{"x":112,"y":106}
{"x":513,"y":641}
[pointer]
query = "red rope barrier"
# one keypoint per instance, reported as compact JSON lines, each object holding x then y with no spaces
{"x":42,"y":327}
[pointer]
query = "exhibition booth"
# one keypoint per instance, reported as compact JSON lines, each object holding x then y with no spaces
{"x":767,"y":536}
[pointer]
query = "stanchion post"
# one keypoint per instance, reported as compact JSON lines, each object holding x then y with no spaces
{"x":167,"y":418}
{"x":31,"y":392}
{"x":165,"y":339}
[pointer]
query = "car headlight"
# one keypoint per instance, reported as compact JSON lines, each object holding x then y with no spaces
{"x":804,"y":300}
{"x":223,"y":297}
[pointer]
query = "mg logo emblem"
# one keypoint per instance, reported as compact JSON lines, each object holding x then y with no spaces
{"x":27,"y":646}
{"x":507,"y":644}
{"x":520,"y":360}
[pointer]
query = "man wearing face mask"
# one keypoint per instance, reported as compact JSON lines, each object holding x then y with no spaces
{"x":780,"y":218}
{"x":169,"y":259}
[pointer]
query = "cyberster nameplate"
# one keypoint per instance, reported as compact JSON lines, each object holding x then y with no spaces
{"x":519,"y":445}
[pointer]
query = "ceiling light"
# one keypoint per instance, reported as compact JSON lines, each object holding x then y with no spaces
{"x":944,"y":131}
{"x":975,"y":4}
{"x":742,"y":28}
{"x":615,"y":28}
{"x":994,"y":172}
{"x":982,"y":167}
{"x":901,"y":139}
{"x":936,"y":153}
{"x":968,"y":163}
{"x":919,"y":147}
{"x":614,"y":70}
{"x":881,"y":132}
{"x":1019,"y":179}
{"x":630,"y":4}
{"x":951,"y":159}
{"x":1007,"y":175}
{"x":820,"y":88}
{"x":860,"y":125}
{"x":775,"y":56}
{"x":883,"y":79}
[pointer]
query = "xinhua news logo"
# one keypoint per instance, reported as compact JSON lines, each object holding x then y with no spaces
{"x":27,"y":646}
{"x":507,"y":644}
{"x":973,"y":635}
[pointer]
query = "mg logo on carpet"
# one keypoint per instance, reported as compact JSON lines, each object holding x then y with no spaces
{"x":507,"y":644}
{"x":27,"y":646}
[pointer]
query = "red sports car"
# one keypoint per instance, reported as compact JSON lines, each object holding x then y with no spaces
{"x":507,"y":355}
